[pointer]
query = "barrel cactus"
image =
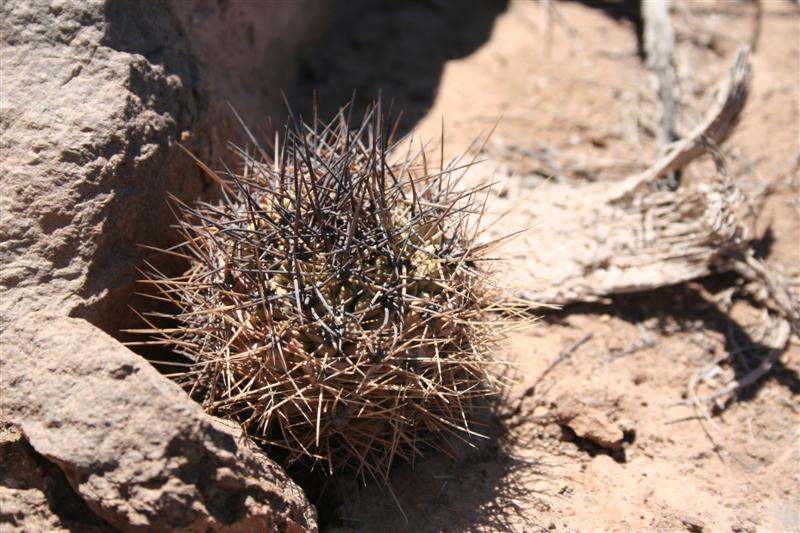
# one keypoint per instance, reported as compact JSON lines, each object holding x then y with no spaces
{"x":338,"y":304}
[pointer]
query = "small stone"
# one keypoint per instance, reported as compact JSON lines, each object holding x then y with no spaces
{"x":589,"y":423}
{"x":693,"y":524}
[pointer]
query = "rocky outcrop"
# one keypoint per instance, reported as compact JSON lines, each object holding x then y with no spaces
{"x":131,"y":444}
{"x":246,"y":52}
{"x":96,"y":95}
{"x":94,"y":101}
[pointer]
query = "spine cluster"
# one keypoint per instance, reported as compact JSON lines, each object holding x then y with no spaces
{"x":336,"y":304}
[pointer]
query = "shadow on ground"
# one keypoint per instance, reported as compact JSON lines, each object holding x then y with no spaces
{"x":685,"y":308}
{"x":395,"y":48}
{"x":485,"y":487}
{"x":623,"y":11}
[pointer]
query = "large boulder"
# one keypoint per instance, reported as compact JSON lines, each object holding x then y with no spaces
{"x":131,"y":444}
{"x":90,"y":122}
{"x":95,"y":97}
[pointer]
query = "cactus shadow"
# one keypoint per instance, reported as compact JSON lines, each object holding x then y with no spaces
{"x":486,"y":487}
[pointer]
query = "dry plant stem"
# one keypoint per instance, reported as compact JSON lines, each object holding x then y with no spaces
{"x":562,"y":356}
{"x":587,"y":249}
{"x":545,"y":9}
{"x":777,"y":347}
{"x":659,"y":42}
{"x":718,"y":124}
{"x":784,"y":305}
{"x":758,"y":17}
{"x":548,"y":11}
{"x":694,"y":398}
{"x":645,"y":341}
{"x":779,"y":293}
{"x":629,"y":237}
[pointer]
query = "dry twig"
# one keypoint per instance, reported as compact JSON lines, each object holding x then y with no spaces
{"x":659,"y":41}
{"x":563,"y":354}
{"x":777,"y":346}
{"x":719,"y":122}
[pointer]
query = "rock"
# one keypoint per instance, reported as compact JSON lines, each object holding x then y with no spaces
{"x":95,"y":98}
{"x":93,"y":102}
{"x":589,"y":423}
{"x":247,"y":52}
{"x":35,"y":495}
{"x":96,"y":95}
{"x":693,"y":524}
{"x":131,"y":444}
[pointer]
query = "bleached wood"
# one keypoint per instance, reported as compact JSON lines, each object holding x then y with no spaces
{"x":595,"y":240}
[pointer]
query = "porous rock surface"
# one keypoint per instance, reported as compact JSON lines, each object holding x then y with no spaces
{"x":35,"y":495}
{"x":131,"y":444}
{"x":95,"y":98}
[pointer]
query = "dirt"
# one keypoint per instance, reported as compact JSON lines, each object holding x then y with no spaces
{"x":576,"y":88}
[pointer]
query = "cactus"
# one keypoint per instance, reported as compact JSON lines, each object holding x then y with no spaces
{"x":337,"y":304}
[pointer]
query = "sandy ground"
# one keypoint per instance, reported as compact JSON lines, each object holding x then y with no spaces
{"x":578,"y":88}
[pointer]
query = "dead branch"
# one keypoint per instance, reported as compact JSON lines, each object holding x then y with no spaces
{"x":592,"y":241}
{"x":719,"y":122}
{"x":585,"y":249}
{"x":777,"y":346}
{"x":779,"y":295}
{"x":758,"y":17}
{"x":644,"y":342}
{"x":566,"y":352}
{"x":659,"y":42}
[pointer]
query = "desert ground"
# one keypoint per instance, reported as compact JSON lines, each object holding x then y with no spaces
{"x":570,"y":83}
{"x":664,"y":405}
